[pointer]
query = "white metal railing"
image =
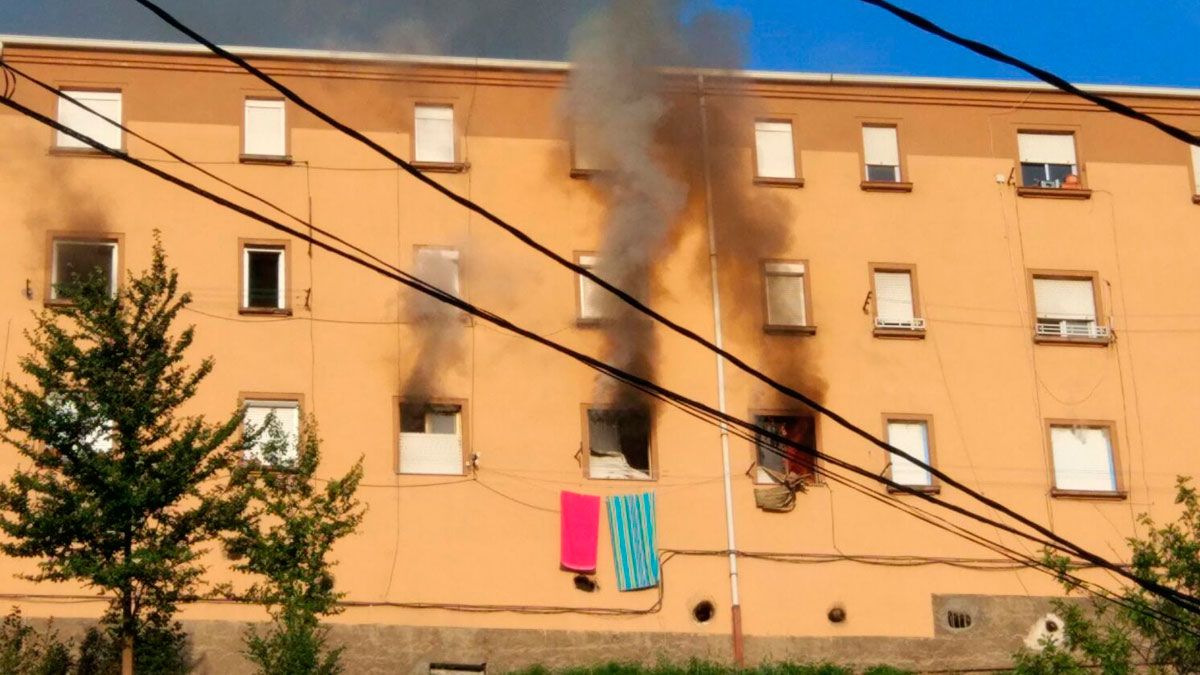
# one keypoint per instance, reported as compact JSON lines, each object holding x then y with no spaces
{"x":1070,"y":329}
{"x":915,"y":323}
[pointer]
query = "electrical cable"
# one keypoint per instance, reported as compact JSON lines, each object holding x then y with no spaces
{"x":948,"y":480}
{"x":642,"y":384}
{"x":1046,"y":76}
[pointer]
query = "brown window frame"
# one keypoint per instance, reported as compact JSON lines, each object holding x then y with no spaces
{"x":1068,"y":275}
{"x":935,"y":485}
{"x":798,"y":181}
{"x":809,"y":327}
{"x":297,"y":398}
{"x":463,"y":423}
{"x":283,"y":245}
{"x":585,"y":446}
{"x":813,"y":477}
{"x":911,"y":270}
{"x":286,"y":157}
{"x":1119,"y":493}
{"x":905,"y":183}
{"x":1081,"y":192}
{"x":54,"y":236}
{"x":88,"y":151}
{"x":460,"y":164}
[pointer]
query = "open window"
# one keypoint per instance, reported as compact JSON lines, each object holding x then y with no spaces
{"x":76,"y":118}
{"x":1083,"y":458}
{"x":785,"y":284}
{"x":286,"y":414}
{"x":1048,"y":160}
{"x":431,"y":438}
{"x":617,"y":444}
{"x":775,"y":153}
{"x":75,"y":259}
{"x":1066,"y":309}
{"x":264,"y":277}
{"x":894,"y":297}
{"x":911,"y":434}
{"x":774,"y":459}
{"x":264,"y":130}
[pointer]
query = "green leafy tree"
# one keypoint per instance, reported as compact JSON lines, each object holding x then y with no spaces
{"x":119,"y":491}
{"x":1147,"y":632}
{"x":292,"y":521}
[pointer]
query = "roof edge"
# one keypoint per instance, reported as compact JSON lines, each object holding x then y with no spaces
{"x":782,"y":77}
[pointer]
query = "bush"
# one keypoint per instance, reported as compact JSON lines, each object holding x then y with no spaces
{"x":25,"y":651}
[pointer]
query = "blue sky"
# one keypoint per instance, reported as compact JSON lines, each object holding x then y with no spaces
{"x":1101,"y":41}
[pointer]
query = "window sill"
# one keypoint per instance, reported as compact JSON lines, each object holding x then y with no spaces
{"x":285,"y":160}
{"x":441,"y":167}
{"x":585,"y":173}
{"x":885,"y":186}
{"x":1117,"y":495}
{"x":1054,"y":193}
{"x":82,"y":152}
{"x":265,"y":311}
{"x":789,"y":330}
{"x":588,"y":323}
{"x":923,"y":489}
{"x":415,"y":474}
{"x":651,"y":479}
{"x":1196,"y":199}
{"x":1083,"y":341}
{"x":900,"y":333}
{"x":779,"y":182}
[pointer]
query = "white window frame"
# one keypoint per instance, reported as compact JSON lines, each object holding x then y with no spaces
{"x":588,"y":294}
{"x":1035,"y":149}
{"x":272,"y":141}
{"x":902,"y":470}
{"x":114,"y":273}
{"x":779,"y":269}
{"x":281,"y":271}
{"x":1104,"y":476}
{"x":774,"y":150}
{"x":429,"y":120}
{"x":107,"y":103}
{"x":291,"y":426}
{"x":428,"y":255}
{"x":1049,"y":324}
{"x":881,"y":148}
{"x":430,"y":442}
{"x":885,"y":318}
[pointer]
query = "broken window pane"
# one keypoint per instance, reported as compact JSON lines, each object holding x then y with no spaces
{"x":780,"y":458}
{"x":619,"y":444}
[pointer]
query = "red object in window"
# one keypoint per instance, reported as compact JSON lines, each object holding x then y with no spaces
{"x":801,"y":430}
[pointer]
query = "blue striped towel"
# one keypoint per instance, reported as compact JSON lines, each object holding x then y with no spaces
{"x":634,"y":540}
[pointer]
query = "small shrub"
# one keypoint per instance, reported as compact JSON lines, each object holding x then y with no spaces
{"x":26,"y":651}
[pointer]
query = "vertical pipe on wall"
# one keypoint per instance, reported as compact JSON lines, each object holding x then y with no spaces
{"x":735,"y":606}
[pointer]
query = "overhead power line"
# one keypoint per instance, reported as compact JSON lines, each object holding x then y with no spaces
{"x":625,"y":297}
{"x":1042,"y":74}
{"x":642,"y":384}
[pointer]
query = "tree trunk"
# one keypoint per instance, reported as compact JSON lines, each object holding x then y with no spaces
{"x":127,"y":656}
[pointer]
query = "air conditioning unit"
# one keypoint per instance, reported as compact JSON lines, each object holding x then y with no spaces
{"x":1050,"y":183}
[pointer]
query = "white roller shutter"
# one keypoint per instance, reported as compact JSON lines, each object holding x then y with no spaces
{"x":911,"y":437}
{"x":288,"y":415}
{"x":880,"y":147}
{"x":1046,"y":148}
{"x":775,"y":150}
{"x":1083,"y":459}
{"x":431,"y":453}
{"x":1065,"y":299}
{"x":785,"y":294}
{"x":107,"y":103}
{"x":434,"y":129}
{"x":265,"y":128}
{"x":893,"y":296}
{"x":439,"y":266}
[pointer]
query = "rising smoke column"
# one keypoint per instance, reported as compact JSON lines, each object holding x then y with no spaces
{"x":616,"y":98}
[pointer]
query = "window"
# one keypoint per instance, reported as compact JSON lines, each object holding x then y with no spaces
{"x":779,"y":459}
{"x":1195,"y":172}
{"x":1066,"y":308}
{"x":618,"y":444}
{"x":106,"y":103}
{"x":1047,"y":160}
{"x":587,"y":153}
{"x":881,"y":152}
{"x":265,"y":129}
{"x":774,"y":150}
{"x":99,"y":440}
{"x":590,"y":295}
{"x":74,"y":260}
{"x":911,"y":435}
{"x":787,"y":295}
{"x":895,"y":301}
{"x":1083,"y":457}
{"x":439,"y":267}
{"x":431,"y":438}
{"x":264,"y":277}
{"x":434,"y":134}
{"x":286,"y":413}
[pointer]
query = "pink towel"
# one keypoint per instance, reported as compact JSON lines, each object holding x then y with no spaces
{"x":580,"y":524}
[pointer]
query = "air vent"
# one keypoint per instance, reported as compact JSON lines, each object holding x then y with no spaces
{"x":958,"y":620}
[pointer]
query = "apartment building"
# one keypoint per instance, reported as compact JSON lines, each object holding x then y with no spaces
{"x":992,"y":276}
